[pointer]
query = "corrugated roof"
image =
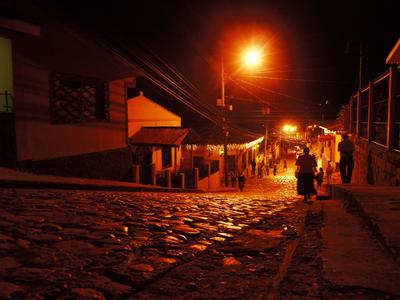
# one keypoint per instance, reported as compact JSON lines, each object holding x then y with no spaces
{"x":159,"y":136}
{"x":215,"y":136}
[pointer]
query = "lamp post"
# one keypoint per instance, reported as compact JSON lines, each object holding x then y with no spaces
{"x":251,"y":57}
{"x":266,"y":111}
{"x":224,"y":122}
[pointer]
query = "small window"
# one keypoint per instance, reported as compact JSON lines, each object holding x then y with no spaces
{"x":166,"y":153}
{"x":76,"y":99}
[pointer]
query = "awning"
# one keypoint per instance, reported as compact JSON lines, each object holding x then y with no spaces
{"x":159,"y":136}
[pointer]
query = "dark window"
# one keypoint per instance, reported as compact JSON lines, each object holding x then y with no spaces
{"x":166,"y":153}
{"x":244,"y":161}
{"x":214,"y":166}
{"x":198,"y":161}
{"x":380,"y":110}
{"x":76,"y":99}
{"x":250,"y":156}
{"x":231,"y":162}
{"x":364,"y":114}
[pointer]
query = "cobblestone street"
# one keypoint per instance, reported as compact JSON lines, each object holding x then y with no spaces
{"x":58,"y":244}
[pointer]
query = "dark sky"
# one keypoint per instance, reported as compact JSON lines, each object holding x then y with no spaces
{"x":311,"y":47}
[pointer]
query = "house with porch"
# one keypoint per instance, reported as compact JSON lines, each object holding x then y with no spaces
{"x":155,"y":136}
{"x":205,"y":152}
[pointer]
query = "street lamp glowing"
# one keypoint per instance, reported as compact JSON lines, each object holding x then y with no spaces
{"x":289,"y":128}
{"x":286,"y":128}
{"x":252,"y":57}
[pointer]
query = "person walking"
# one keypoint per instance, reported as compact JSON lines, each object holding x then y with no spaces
{"x":253,"y":167}
{"x":306,"y":167}
{"x":233,"y":178}
{"x":329,"y":171}
{"x":319,"y":177}
{"x":346,"y":149}
{"x":241,"y":180}
{"x":259,"y":169}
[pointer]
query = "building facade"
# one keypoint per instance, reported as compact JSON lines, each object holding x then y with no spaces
{"x":62,"y":100}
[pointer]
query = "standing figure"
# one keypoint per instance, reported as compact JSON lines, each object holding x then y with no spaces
{"x":284,"y":165}
{"x":329,"y":171}
{"x":275,"y":169}
{"x":259,"y":170}
{"x":233,"y":178}
{"x":319,"y":177}
{"x":262,"y":168}
{"x":253,"y":167}
{"x":346,"y":149}
{"x":241,"y":179}
{"x":306,"y":167}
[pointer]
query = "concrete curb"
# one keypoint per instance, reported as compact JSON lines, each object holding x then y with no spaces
{"x":25,"y":184}
{"x":352,"y":205}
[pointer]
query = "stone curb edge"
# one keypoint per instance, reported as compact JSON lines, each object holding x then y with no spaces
{"x":22,"y":184}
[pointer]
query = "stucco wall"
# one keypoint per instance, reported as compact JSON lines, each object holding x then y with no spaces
{"x":142,"y":112}
{"x":374,"y":164}
{"x":211,"y":182}
{"x":39,"y":139}
{"x":157,"y":159}
{"x":112,"y":164}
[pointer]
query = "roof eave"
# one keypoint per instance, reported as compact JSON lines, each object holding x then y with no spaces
{"x":394,"y":55}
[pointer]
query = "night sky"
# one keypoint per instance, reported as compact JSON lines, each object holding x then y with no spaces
{"x":311,"y":47}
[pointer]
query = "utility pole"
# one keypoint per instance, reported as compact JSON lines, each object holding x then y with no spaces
{"x":266,"y":111}
{"x":360,"y":74}
{"x":225,"y":129}
{"x":362,"y":56}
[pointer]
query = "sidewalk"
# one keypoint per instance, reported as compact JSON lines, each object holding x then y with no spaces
{"x":10,"y":178}
{"x":361,"y":238}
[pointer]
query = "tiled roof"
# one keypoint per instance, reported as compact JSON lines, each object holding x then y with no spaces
{"x":159,"y":136}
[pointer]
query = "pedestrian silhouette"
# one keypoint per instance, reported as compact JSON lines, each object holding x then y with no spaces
{"x":319,"y":177}
{"x":329,"y":171}
{"x":306,"y":167}
{"x":259,"y":169}
{"x":253,"y":168}
{"x":233,"y":178}
{"x":241,"y":180}
{"x":346,"y":149}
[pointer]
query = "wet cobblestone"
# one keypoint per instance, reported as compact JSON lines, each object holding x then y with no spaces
{"x":117,"y":245}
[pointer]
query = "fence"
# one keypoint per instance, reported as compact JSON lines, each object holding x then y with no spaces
{"x":375,"y":111}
